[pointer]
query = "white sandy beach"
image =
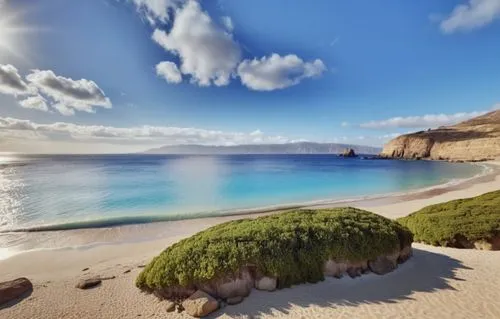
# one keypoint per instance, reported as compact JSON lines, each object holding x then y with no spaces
{"x":435,"y":283}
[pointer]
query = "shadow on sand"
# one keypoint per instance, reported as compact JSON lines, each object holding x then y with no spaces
{"x":425,"y":272}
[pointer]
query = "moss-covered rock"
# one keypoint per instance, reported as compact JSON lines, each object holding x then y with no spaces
{"x":292,"y":247}
{"x":463,"y":223}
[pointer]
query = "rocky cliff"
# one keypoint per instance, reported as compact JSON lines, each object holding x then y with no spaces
{"x":472,"y":140}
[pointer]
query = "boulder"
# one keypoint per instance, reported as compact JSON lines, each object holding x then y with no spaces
{"x":170,"y":306}
{"x":238,"y":285}
{"x":234,"y":300}
{"x":489,"y":244}
{"x":383,"y":264}
{"x":14,"y":289}
{"x":88,"y":283}
{"x":334,"y":268}
{"x":200,"y":304}
{"x":266,"y":283}
{"x":405,"y":254}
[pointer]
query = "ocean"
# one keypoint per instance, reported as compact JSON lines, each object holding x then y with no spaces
{"x":82,"y":191}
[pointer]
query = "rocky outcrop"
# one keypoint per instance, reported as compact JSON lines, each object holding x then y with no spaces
{"x":200,"y":304}
{"x":200,"y":300}
{"x":472,"y":140}
{"x":14,"y":289}
{"x":348,"y":152}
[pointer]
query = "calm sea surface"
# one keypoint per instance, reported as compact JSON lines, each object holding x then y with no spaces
{"x":87,"y":191}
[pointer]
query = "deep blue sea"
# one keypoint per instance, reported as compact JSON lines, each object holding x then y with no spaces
{"x":103,"y":190}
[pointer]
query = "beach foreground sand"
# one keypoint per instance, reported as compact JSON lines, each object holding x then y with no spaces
{"x":435,"y":283}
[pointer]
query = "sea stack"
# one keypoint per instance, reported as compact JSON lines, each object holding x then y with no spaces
{"x":348,"y":152}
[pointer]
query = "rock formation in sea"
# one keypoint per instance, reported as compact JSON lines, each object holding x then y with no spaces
{"x":348,"y":152}
{"x":473,"y":140}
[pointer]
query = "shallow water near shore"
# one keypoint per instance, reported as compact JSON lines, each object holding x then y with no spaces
{"x":72,"y":192}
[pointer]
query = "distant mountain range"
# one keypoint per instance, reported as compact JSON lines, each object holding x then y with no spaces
{"x":288,"y":148}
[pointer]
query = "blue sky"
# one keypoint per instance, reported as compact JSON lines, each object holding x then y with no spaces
{"x":110,"y":75}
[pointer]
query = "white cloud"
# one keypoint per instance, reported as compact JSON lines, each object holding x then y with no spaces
{"x":36,"y":102}
{"x":425,"y":121}
{"x":69,"y":95}
{"x":11,"y":82}
{"x":209,"y":55}
{"x":228,"y":23}
{"x":345,"y":124}
{"x":207,"y":52}
{"x":157,"y":10}
{"x":473,"y":15}
{"x":277,"y":72}
{"x":138,"y":134}
{"x":496,"y":107}
{"x":169,"y":71}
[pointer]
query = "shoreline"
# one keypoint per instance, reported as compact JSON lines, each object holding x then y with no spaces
{"x":437,"y":282}
{"x":489,"y":170}
{"x":55,"y":238}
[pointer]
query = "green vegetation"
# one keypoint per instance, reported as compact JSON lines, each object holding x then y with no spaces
{"x":292,"y":246}
{"x":458,"y":223}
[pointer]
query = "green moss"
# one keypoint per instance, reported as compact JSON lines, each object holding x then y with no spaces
{"x":448,"y":224}
{"x":292,"y":246}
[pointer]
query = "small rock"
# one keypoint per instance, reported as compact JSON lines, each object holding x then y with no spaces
{"x":170,"y":306}
{"x":127,"y":271}
{"x":200,"y":304}
{"x":141,"y":266}
{"x":88,"y":283}
{"x":266,"y":283}
{"x":85,"y":269}
{"x":10,"y":290}
{"x":180,"y":308}
{"x":382,"y":265}
{"x":107,"y":278}
{"x":234,"y":300}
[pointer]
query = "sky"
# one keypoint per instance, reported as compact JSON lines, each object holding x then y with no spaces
{"x":107,"y":76}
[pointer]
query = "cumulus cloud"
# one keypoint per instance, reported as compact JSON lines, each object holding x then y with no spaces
{"x":36,"y":102}
{"x":207,"y":52}
{"x":209,"y":55}
{"x":473,"y":15}
{"x":169,"y":71}
{"x":277,"y":72}
{"x":157,"y":10}
{"x":11,"y":82}
{"x":425,"y":121}
{"x":146,"y":133}
{"x":68,"y":94}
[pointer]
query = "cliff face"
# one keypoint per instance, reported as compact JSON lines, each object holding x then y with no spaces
{"x":475,"y":139}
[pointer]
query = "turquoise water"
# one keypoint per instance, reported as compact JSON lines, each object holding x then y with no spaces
{"x":62,"y":192}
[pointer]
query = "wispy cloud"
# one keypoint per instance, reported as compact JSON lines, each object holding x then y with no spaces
{"x":472,"y":15}
{"x":424,"y":121}
{"x":137,"y":134}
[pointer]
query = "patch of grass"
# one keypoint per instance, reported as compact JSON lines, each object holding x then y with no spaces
{"x":292,"y":246}
{"x":457,"y":222}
